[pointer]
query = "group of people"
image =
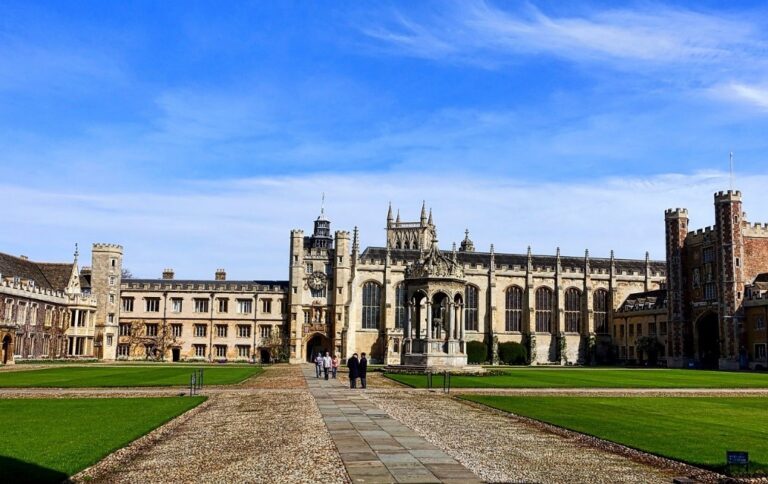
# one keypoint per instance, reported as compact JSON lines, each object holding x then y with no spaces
{"x":325,"y":364}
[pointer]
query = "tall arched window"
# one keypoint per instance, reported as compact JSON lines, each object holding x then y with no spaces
{"x":371,"y":305}
{"x":573,"y":310}
{"x":401,"y":296}
{"x":600,"y":310}
{"x":514,"y":309}
{"x":470,"y":309}
{"x":544,"y":310}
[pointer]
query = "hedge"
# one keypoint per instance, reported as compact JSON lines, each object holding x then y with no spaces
{"x":512,"y":353}
{"x":477,"y":352}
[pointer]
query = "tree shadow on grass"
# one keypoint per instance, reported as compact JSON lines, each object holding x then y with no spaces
{"x":18,"y":471}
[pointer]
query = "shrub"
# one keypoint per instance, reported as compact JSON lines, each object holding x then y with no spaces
{"x":512,"y":353}
{"x":477,"y":352}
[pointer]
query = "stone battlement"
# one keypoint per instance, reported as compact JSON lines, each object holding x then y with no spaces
{"x":676,"y":213}
{"x":107,"y":247}
{"x":756,"y":229}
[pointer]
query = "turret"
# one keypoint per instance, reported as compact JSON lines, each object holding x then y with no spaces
{"x":106,"y":277}
{"x":423,"y":219}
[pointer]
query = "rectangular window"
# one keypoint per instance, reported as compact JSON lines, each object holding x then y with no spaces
{"x":243,"y":331}
{"x":760,"y":353}
{"x":151,"y":329}
{"x":651,"y":329}
{"x":621,"y":331}
{"x":663,"y":328}
{"x":223,"y":305}
{"x":176,"y":330}
{"x":201,"y":330}
{"x":708,"y":254}
{"x":111,"y":318}
{"x":328,"y":269}
{"x":111,"y":299}
{"x":245,"y":306}
{"x":243,"y":351}
{"x":176,"y":304}
{"x":308,"y":268}
{"x":710,"y":291}
{"x":199,"y":351}
{"x":109,"y":340}
{"x":266,"y":331}
{"x":317,"y":293}
{"x":124,"y":329}
{"x":760,"y":323}
{"x":111,"y":280}
{"x":127,"y":304}
{"x":152,"y":304}
{"x":201,"y":305}
{"x":266,"y":306}
{"x":123,"y":350}
{"x":221,"y":330}
{"x":221,"y":351}
{"x":306,"y":317}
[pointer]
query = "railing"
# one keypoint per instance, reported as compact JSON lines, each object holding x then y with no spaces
{"x":446,"y":380}
{"x":196,"y":382}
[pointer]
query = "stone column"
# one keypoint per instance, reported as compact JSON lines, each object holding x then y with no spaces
{"x":430,"y":332}
{"x":451,"y":321}
{"x":77,"y":318}
{"x":461,"y":322}
{"x":408,"y":319}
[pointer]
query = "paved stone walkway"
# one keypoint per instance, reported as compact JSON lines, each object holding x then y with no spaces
{"x":374,"y":447}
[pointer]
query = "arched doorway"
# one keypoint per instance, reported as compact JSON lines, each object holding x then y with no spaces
{"x":6,"y":348}
{"x":708,"y":337}
{"x":318,"y":343}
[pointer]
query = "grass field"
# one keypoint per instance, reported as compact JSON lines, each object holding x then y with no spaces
{"x":596,"y":378}
{"x":697,"y":430}
{"x":47,"y":440}
{"x":123,"y":376}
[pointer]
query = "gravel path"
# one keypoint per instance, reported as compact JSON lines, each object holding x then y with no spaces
{"x":260,"y":436}
{"x":503,"y":448}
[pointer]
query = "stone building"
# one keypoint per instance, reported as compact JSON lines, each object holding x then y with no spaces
{"x":410,"y":296}
{"x":639,"y":328}
{"x":709,"y":272}
{"x":210,"y":320}
{"x":46,"y":310}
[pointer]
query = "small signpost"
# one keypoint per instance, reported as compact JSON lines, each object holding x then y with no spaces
{"x":195,"y":382}
{"x":737,"y":458}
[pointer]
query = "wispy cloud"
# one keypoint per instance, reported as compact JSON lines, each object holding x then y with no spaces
{"x":243,"y":225}
{"x":755,"y":95}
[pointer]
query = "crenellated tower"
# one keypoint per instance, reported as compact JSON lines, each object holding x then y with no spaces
{"x":676,"y":230}
{"x":106,"y":277}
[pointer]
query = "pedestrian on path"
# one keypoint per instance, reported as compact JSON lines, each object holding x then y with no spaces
{"x":352,"y":364}
{"x":334,"y":365}
{"x":362,"y":368}
{"x":326,"y":364}
{"x":318,"y":364}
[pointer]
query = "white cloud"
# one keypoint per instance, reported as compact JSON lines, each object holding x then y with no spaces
{"x":753,"y":95}
{"x":243,"y":225}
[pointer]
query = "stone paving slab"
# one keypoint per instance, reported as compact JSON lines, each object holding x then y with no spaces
{"x":376,"y":448}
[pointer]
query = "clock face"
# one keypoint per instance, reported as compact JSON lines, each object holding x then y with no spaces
{"x":317,"y":280}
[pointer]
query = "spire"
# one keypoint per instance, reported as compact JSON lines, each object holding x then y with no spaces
{"x":397,"y":222}
{"x":530,"y":259}
{"x":586,"y":261}
{"x":423,"y":212}
{"x":492,"y":266}
{"x":389,"y":215}
{"x":430,"y":217}
{"x":355,"y":242}
{"x":467,"y":245}
{"x":322,"y":205}
{"x":557,"y":252}
{"x":558,"y":265}
{"x":77,"y":253}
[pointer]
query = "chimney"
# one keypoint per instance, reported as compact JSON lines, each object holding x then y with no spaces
{"x":23,"y":257}
{"x":221,"y":275}
{"x":168,"y":274}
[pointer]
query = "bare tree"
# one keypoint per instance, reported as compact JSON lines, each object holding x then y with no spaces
{"x":126,"y":273}
{"x":156,"y":338}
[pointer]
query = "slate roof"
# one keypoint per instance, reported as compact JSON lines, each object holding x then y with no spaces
{"x":46,"y":275}
{"x":208,"y":284}
{"x":645,"y":301}
{"x":473,"y":258}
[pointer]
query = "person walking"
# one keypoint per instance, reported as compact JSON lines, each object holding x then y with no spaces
{"x":326,"y":364}
{"x":318,"y":364}
{"x":362,"y":368}
{"x":334,"y":366}
{"x":352,"y":364}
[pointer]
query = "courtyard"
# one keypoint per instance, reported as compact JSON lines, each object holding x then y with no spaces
{"x":264,"y":425}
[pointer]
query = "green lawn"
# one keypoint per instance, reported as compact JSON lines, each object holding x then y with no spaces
{"x":123,"y":376}
{"x":47,"y":440}
{"x":697,"y":430}
{"x":596,"y":378}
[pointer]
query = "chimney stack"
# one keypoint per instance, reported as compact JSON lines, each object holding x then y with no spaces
{"x":168,"y":274}
{"x":221,"y":275}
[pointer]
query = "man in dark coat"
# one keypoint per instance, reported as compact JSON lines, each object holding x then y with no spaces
{"x":362,"y":367}
{"x":353,"y":366}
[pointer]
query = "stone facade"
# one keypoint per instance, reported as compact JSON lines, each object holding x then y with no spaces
{"x":709,"y":271}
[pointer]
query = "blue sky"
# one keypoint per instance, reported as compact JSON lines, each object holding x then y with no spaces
{"x":197,"y":134}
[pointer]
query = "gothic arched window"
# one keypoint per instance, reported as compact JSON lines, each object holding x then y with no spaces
{"x":514,"y":309}
{"x":600,"y":310}
{"x":573,"y":310}
{"x":371,"y":305}
{"x":401,"y":296}
{"x":470,"y":308}
{"x":544,"y":310}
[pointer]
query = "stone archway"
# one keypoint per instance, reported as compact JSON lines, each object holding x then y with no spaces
{"x":317,"y":343}
{"x":6,"y":348}
{"x":708,"y":340}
